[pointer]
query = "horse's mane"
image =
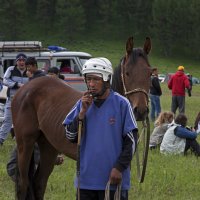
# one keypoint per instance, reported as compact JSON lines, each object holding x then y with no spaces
{"x":116,"y":81}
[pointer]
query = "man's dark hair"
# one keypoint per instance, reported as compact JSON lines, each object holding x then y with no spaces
{"x":181,"y":119}
{"x":53,"y":70}
{"x":31,"y":61}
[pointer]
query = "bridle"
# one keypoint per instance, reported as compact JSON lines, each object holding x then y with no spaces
{"x":136,"y":90}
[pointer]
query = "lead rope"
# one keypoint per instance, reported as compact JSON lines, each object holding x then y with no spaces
{"x":80,"y":124}
{"x":117,"y":194}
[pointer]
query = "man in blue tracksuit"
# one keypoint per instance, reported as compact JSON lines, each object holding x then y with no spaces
{"x":14,"y":78}
{"x":109,"y":136}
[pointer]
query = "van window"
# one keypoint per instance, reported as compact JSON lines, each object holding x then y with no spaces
{"x":7,"y":63}
{"x":67,"y":66}
{"x":83,"y":60}
{"x":43,"y":64}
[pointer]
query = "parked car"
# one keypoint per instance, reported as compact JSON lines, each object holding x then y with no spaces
{"x":161,"y":77}
{"x":195,"y":80}
{"x":46,"y":58}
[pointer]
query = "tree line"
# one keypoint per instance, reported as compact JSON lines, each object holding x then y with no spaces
{"x":173,"y":24}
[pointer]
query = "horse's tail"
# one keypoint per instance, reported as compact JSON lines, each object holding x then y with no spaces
{"x":17,"y":177}
{"x":30,"y":191}
{"x":32,"y":169}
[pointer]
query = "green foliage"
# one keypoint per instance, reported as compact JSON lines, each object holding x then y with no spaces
{"x":71,"y":18}
{"x":173,"y":24}
{"x":11,"y":19}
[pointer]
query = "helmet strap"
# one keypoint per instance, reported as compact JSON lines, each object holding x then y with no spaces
{"x":105,"y":86}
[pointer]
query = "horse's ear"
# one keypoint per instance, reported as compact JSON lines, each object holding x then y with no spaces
{"x":129,"y":45}
{"x":147,"y":45}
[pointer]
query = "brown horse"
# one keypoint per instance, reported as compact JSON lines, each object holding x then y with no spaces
{"x":40,"y":106}
{"x":132,"y":77}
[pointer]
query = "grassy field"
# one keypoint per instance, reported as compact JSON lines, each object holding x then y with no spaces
{"x":167,"y":177}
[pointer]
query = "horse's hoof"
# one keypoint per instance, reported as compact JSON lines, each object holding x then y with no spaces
{"x":59,"y":160}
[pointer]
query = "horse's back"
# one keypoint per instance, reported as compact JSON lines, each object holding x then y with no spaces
{"x":43,"y":94}
{"x":42,"y":104}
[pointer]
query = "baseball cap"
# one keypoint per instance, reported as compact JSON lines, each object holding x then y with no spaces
{"x":21,"y":56}
{"x":180,"y":68}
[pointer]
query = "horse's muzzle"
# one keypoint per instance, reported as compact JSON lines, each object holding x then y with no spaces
{"x":141,"y":114}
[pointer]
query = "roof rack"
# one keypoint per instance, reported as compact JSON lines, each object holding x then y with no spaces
{"x":21,"y":46}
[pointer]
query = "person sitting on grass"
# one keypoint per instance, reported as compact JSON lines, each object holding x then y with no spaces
{"x":178,"y":139}
{"x":161,"y":126}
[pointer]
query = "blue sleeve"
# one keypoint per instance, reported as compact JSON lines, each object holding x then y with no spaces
{"x":185,"y":133}
{"x":72,"y":114}
{"x":71,"y":123}
{"x":129,"y":118}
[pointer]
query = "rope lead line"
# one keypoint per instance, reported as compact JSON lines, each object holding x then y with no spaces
{"x":80,"y":123}
{"x":117,"y":192}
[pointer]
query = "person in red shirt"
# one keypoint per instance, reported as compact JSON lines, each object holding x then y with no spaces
{"x":178,"y":83}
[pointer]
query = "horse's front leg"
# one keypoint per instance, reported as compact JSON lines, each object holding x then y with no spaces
{"x":47,"y":160}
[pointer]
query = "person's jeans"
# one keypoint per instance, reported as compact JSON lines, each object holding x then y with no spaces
{"x":155,"y":106}
{"x":7,"y":123}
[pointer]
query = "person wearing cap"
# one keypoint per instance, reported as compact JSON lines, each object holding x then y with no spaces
{"x":178,"y":83}
{"x":109,"y":136}
{"x":15,"y":77}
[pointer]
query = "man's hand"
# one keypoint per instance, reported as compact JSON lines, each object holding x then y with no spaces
{"x":29,"y":74}
{"x":86,"y":102}
{"x":115,"y":176}
{"x":20,"y":84}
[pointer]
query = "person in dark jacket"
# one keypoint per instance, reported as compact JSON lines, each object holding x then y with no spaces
{"x":155,"y":93}
{"x":178,"y":83}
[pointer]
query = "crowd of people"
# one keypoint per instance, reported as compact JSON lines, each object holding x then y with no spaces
{"x":171,"y":134}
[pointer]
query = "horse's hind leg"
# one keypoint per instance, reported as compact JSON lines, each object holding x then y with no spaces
{"x":47,"y":160}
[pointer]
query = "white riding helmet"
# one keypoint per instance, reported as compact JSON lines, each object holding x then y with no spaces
{"x":100,"y":66}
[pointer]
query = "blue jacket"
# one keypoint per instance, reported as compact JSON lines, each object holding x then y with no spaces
{"x":183,"y":132}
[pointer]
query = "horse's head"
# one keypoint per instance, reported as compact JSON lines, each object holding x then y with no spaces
{"x":135,"y":77}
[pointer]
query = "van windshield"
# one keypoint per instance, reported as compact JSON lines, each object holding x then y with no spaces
{"x":83,"y":60}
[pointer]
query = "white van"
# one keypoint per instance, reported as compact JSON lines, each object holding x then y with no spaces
{"x":46,"y":58}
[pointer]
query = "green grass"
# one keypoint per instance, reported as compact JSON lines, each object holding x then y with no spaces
{"x":167,"y":177}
